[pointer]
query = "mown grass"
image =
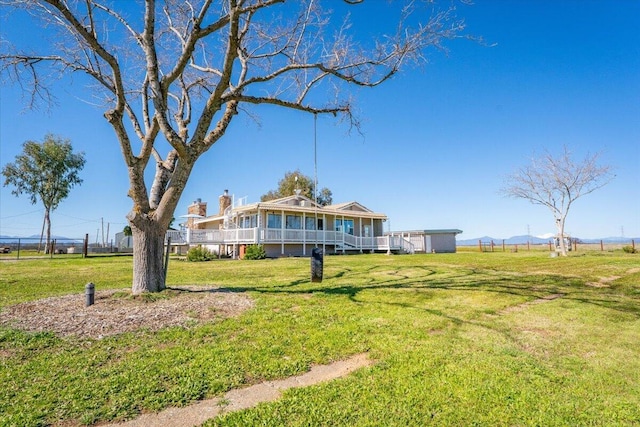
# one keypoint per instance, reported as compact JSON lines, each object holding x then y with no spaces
{"x":458,"y":339}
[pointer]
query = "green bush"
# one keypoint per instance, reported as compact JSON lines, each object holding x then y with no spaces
{"x":199,"y":253}
{"x":255,"y":252}
{"x":629,"y":249}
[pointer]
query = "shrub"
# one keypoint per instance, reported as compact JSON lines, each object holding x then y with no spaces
{"x":255,"y":252}
{"x":199,"y":253}
{"x":629,"y":249}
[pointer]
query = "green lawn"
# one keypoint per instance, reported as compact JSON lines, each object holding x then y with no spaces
{"x":459,"y":339}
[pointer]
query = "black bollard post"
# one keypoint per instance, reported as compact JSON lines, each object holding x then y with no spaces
{"x":89,"y":292}
{"x":316,"y":265}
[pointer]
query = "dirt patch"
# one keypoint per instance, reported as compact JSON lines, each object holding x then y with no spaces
{"x":244,"y":398}
{"x":527,"y":304}
{"x":603,"y":282}
{"x":116,"y":311}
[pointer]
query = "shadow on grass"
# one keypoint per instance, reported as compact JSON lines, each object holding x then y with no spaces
{"x":531,"y":287}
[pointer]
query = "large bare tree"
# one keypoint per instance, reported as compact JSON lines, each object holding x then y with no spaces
{"x":556,"y":182}
{"x":179,"y":71}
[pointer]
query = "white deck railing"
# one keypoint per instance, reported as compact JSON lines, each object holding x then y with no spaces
{"x":268,"y":235}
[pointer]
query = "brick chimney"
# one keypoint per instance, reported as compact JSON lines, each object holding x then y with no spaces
{"x":198,"y":207}
{"x":225,"y":202}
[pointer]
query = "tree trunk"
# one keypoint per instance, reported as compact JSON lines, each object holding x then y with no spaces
{"x":148,"y":249}
{"x":47,"y":220}
{"x":44,"y":222}
{"x":149,"y":226}
{"x":563,"y":246}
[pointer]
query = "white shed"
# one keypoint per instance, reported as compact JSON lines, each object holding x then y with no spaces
{"x":430,"y":241}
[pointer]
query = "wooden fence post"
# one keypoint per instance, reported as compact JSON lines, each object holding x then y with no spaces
{"x":85,"y":246}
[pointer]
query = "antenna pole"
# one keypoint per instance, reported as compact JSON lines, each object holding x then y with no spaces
{"x":315,"y":171}
{"x":315,"y":157}
{"x":316,"y":254}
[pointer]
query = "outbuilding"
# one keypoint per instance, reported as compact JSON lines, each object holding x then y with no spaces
{"x":430,"y":241}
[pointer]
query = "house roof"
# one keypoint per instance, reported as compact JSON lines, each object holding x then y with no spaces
{"x":302,"y":204}
{"x":427,"y":232}
{"x":290,"y":201}
{"x":349,"y":206}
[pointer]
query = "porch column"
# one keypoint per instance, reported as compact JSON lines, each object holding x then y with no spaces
{"x":372,"y":237}
{"x":324,"y":233}
{"x":259,"y":223}
{"x":304,"y":234}
{"x":343,"y":249}
{"x":282,"y":228}
{"x":360,"y":237}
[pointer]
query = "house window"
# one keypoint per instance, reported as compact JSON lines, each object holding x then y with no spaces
{"x":309,"y":223}
{"x":274,"y":221}
{"x":250,"y":221}
{"x":294,"y":222}
{"x":346,"y":226}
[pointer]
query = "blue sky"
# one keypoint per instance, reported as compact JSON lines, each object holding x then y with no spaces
{"x":438,"y":139}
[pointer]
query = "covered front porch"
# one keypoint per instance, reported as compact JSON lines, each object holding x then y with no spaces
{"x":330,"y":241}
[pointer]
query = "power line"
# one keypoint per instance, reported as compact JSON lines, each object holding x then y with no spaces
{"x":79,"y":219}
{"x":21,"y":214}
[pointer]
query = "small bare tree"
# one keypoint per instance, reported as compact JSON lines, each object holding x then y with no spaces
{"x":175,"y":73}
{"x":557,"y":182}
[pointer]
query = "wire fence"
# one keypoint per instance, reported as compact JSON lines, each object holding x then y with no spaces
{"x":573,"y":246}
{"x":36,"y":248}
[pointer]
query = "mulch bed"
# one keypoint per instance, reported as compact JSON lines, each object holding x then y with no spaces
{"x":117,"y":311}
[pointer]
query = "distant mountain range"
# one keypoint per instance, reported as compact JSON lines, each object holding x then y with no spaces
{"x":522,"y":240}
